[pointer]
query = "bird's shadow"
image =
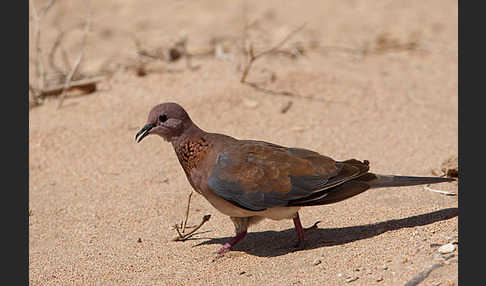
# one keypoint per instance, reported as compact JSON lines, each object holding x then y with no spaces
{"x":276,"y":243}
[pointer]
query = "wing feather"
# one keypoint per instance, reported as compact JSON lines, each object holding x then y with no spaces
{"x":256,"y":175}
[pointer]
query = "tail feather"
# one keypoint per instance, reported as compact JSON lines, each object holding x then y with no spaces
{"x":358,"y":185}
{"x":396,"y":181}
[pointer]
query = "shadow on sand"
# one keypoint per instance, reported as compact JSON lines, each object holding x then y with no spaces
{"x":276,"y":243}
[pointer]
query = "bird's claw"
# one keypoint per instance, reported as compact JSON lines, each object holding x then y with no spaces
{"x":313,"y":227}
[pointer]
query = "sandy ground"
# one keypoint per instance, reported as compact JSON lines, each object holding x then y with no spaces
{"x":102,"y":207}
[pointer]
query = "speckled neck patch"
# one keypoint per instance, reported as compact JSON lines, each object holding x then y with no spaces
{"x":192,"y":152}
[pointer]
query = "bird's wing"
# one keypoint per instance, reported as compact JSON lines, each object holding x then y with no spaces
{"x":257,"y":175}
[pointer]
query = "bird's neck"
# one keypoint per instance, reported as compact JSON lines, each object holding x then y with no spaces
{"x":191,"y":147}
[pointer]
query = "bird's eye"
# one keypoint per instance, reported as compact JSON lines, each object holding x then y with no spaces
{"x":163,"y":118}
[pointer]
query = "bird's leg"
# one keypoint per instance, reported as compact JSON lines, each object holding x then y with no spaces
{"x":300,"y":230}
{"x":241,"y":226}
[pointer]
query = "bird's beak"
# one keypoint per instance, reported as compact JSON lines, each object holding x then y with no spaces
{"x":145,"y":130}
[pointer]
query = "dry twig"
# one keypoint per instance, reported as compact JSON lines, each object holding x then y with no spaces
{"x":53,"y":51}
{"x":254,"y":57}
{"x":189,"y":234}
{"x":69,"y":77}
{"x":39,"y":65}
{"x":58,"y":81}
{"x":87,"y":85}
{"x":286,"y":107}
{"x":426,"y":187}
{"x":187,"y":212}
{"x":173,"y":53}
{"x":275,"y":49}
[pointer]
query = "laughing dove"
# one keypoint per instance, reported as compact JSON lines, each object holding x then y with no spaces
{"x":251,"y":180}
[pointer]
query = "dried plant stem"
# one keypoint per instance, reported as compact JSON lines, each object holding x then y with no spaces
{"x":439,"y":191}
{"x":187,"y":212}
{"x":254,"y":57}
{"x":189,"y":234}
{"x":286,"y":107}
{"x":78,"y":61}
{"x":39,"y":65}
{"x":53,"y":51}
{"x":86,"y":84}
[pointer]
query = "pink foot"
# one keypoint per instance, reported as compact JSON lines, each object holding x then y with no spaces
{"x":227,"y":245}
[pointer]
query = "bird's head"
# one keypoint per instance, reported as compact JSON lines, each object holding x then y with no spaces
{"x":168,"y":120}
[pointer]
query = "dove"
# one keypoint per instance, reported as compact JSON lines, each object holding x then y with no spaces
{"x":251,"y":180}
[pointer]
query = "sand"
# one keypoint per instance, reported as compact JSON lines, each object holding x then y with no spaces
{"x":102,"y":207}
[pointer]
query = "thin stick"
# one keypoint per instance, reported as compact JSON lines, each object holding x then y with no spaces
{"x":177,"y":229}
{"x":40,"y":69}
{"x":85,"y":83}
{"x":254,"y":57}
{"x":189,"y":234}
{"x":52,"y":53}
{"x":282,"y":42}
{"x":187,"y":212}
{"x":248,"y":65}
{"x":78,"y":60}
{"x":439,"y":191}
{"x":281,"y":92}
{"x":47,"y":7}
{"x":65,"y":58}
{"x":286,"y":107}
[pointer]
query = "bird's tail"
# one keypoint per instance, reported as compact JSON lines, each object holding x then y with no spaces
{"x":365,"y":182}
{"x":381,"y":181}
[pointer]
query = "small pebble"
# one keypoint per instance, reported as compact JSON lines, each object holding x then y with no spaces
{"x":449,"y":256}
{"x":139,"y":240}
{"x":351,"y":279}
{"x":297,"y":128}
{"x":455,"y":260}
{"x":316,"y":262}
{"x":250,"y":103}
{"x":384,"y":267}
{"x":242,"y":272}
{"x":447,"y":248}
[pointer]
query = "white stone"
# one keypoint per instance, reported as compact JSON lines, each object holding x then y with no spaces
{"x":447,"y":248}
